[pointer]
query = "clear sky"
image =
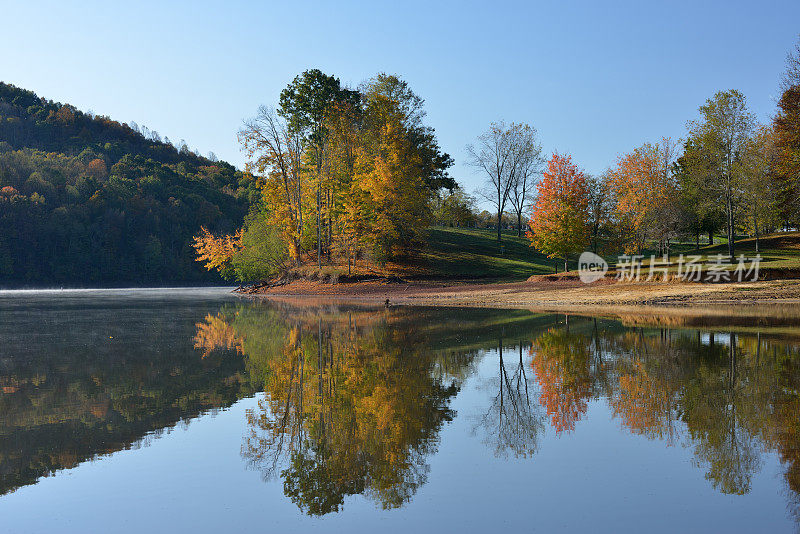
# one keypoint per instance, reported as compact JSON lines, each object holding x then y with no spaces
{"x":595,"y":78}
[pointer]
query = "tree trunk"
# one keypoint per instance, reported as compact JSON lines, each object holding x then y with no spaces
{"x":499,"y":237}
{"x":710,"y":237}
{"x":730,"y":237}
{"x":519,"y":224}
{"x":755,"y":224}
{"x":566,"y":267}
{"x":729,"y":206}
{"x":319,"y":207}
{"x":319,"y":229}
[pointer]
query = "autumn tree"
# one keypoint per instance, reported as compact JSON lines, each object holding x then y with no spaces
{"x":97,"y":169}
{"x":217,"y":252}
{"x":787,"y":139}
{"x":303,"y":103}
{"x":274,"y":152}
{"x":410,"y":106}
{"x":560,"y":216}
{"x":399,"y":168}
{"x":644,"y":190}
{"x":389,"y":178}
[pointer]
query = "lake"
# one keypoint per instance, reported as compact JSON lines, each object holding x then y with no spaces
{"x":196,"y":410}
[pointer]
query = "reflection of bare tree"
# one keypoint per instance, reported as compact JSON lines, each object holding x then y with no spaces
{"x":513,"y":423}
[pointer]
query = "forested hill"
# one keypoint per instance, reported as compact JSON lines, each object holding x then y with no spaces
{"x":88,"y":201}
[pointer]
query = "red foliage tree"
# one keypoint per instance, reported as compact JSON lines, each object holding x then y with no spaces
{"x":560,"y":217}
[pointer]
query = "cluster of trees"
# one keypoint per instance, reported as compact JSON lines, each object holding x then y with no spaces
{"x":87,"y":200}
{"x":732,"y":175}
{"x":345,"y":175}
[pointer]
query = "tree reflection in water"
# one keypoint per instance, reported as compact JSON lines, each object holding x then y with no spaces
{"x":355,"y":400}
{"x":513,"y":422}
{"x":730,"y":397}
{"x":354,"y":403}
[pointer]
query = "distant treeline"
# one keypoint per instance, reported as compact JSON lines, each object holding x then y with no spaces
{"x":85,"y":200}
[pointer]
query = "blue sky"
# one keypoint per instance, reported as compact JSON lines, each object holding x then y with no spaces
{"x":595,"y":78}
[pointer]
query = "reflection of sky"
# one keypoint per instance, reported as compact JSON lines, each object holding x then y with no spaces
{"x":720,"y":338}
{"x":599,"y":477}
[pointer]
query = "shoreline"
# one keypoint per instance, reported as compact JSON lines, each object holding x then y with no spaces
{"x":543,"y":294}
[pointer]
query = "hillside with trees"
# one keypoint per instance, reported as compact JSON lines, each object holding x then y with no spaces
{"x":87,"y":201}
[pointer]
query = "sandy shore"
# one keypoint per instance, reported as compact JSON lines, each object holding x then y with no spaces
{"x":545,"y":294}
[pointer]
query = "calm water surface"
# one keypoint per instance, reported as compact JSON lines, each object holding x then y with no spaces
{"x":193,"y":410}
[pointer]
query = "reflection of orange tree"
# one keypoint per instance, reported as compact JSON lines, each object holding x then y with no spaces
{"x":216,"y":333}
{"x":561,"y":363}
{"x":647,"y":386}
{"x":725,"y":394}
{"x":663,"y":378}
{"x":353,"y":404}
{"x":644,"y":403}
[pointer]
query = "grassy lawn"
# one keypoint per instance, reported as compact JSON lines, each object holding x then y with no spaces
{"x":475,"y":253}
{"x":471,"y":253}
{"x":779,"y":252}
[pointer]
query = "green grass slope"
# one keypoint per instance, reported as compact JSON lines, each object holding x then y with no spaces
{"x":469,"y":253}
{"x":475,"y":253}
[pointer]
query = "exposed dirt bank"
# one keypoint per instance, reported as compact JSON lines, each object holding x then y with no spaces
{"x":545,"y":293}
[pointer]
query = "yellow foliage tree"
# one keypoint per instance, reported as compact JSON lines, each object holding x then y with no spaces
{"x":217,"y":252}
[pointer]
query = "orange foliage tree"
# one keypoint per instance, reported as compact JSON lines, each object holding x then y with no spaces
{"x":645,"y":192}
{"x":560,"y":217}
